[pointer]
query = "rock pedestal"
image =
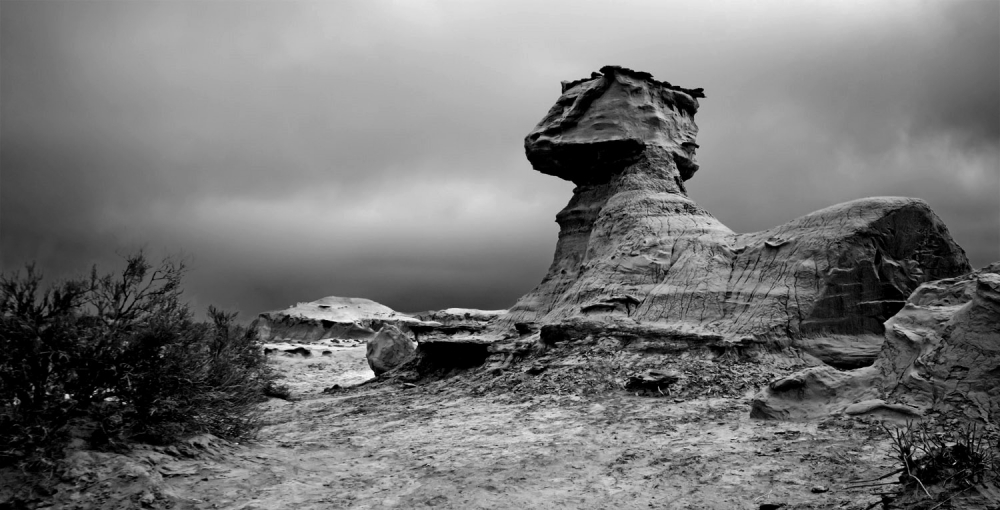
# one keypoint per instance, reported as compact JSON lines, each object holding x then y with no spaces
{"x":634,"y":248}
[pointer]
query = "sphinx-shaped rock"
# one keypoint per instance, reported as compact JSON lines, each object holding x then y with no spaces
{"x":941,"y":354}
{"x":633,"y":247}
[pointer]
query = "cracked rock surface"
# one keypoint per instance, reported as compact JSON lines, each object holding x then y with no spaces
{"x":634,"y":248}
{"x":941,"y":354}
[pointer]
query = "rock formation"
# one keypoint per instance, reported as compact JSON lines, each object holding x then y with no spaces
{"x":389,"y":349}
{"x":453,"y":337}
{"x":330,"y":317}
{"x":452,"y":322}
{"x":635,"y":252}
{"x":941,"y":354}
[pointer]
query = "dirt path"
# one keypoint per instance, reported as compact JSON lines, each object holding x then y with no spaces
{"x":454,"y":443}
{"x":438,"y":445}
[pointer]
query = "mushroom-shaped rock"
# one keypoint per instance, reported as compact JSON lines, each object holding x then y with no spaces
{"x":633,"y":246}
{"x":602,"y":124}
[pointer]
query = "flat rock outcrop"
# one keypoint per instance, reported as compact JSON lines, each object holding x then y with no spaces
{"x":634,"y":248}
{"x":451,"y":322}
{"x":330,"y":318}
{"x":941,"y":355}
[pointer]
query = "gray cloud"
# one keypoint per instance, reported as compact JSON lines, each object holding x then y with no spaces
{"x":302,"y":149}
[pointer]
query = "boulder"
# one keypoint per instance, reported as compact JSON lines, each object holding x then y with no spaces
{"x":942,"y":351}
{"x":941,"y":354}
{"x":633,"y":248}
{"x":388,"y":349}
{"x":330,"y":318}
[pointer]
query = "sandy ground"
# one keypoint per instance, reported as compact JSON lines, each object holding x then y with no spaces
{"x":443,"y":444}
{"x":440,"y":445}
{"x":327,"y":365}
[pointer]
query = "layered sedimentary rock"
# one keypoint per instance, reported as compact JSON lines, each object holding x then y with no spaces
{"x":941,"y":354}
{"x":454,"y":338}
{"x":633,"y":248}
{"x":330,"y":317}
{"x":452,"y":322}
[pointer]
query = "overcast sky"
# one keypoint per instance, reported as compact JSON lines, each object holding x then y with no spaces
{"x":295,"y":150}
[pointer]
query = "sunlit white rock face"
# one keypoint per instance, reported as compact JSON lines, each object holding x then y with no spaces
{"x":632,"y":246}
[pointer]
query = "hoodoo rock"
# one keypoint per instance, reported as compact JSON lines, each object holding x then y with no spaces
{"x":941,"y":354}
{"x":330,"y":317}
{"x":635,"y":251}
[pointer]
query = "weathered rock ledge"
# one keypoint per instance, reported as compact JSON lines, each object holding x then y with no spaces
{"x":941,"y":355}
{"x":453,"y":337}
{"x":452,"y":322}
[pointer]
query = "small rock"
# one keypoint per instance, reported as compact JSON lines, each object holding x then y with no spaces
{"x":653,"y":380}
{"x":535,"y":369}
{"x":771,"y":506}
{"x":299,"y":351}
{"x":819,"y":489}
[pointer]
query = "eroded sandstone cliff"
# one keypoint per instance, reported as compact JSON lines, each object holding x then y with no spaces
{"x":634,"y":249}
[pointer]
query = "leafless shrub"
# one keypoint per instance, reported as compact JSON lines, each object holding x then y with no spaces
{"x":938,"y":461}
{"x":122,"y":353}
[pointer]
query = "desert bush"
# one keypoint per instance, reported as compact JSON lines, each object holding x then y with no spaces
{"x":122,"y":353}
{"x":938,"y":461}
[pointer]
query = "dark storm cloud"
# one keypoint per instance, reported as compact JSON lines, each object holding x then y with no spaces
{"x":302,"y":149}
{"x":901,"y":102}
